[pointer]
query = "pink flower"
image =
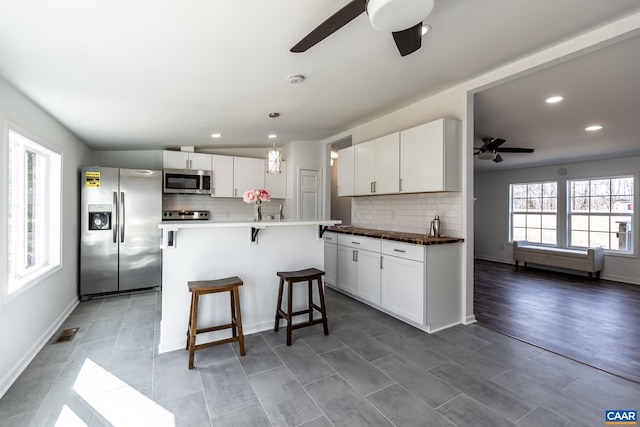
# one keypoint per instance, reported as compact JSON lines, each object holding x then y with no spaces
{"x":256,"y":195}
{"x":265,"y":195}
{"x":249,"y":196}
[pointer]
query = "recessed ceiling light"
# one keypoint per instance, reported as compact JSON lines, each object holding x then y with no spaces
{"x":553,"y":99}
{"x":593,"y":128}
{"x":425,"y":29}
{"x":216,"y":135}
{"x":273,"y":136}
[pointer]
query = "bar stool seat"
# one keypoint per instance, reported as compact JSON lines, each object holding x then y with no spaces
{"x":307,"y":275}
{"x":204,"y":287}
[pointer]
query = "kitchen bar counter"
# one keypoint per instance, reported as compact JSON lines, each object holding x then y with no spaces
{"x":206,"y":250}
{"x":398,"y":236}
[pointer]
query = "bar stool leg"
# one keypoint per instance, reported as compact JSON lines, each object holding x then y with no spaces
{"x":193,"y":328}
{"x":323,"y":310}
{"x":289,"y":310}
{"x":238,"y":320}
{"x":189,"y":322}
{"x":310,"y":291}
{"x":234,"y":330}
{"x":278,"y":306}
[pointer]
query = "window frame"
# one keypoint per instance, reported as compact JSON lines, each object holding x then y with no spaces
{"x":609,"y":214}
{"x":542,"y":212}
{"x":50,"y":241}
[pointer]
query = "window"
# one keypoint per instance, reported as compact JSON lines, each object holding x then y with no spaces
{"x":34,"y":175}
{"x":601,"y":213}
{"x":534,"y":212}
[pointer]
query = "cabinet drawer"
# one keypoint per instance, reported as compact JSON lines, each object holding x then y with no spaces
{"x":359,"y":242}
{"x":330,"y":237}
{"x":403,"y":250}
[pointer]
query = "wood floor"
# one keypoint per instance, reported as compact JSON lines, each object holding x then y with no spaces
{"x":595,"y":322}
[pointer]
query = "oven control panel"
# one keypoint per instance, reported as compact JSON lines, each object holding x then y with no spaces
{"x":185,"y":215}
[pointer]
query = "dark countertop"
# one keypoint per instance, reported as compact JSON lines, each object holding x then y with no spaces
{"x":415,"y":238}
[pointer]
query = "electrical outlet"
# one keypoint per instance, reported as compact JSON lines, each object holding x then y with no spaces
{"x":228,"y":214}
{"x":502,"y":247}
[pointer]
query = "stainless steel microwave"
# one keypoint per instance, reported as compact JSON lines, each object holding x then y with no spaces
{"x":187,"y":181}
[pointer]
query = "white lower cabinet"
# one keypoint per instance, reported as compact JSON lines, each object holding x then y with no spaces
{"x":403,"y":288}
{"x":347,"y":270}
{"x":368,"y":279}
{"x":330,"y":258}
{"x":417,"y":283}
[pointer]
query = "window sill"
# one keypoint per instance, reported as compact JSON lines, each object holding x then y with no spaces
{"x":32,"y":280}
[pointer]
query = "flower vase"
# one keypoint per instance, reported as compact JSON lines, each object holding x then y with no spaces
{"x":257,"y":212}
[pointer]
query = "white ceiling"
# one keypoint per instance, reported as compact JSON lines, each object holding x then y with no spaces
{"x":133,"y":74}
{"x":602,"y":87}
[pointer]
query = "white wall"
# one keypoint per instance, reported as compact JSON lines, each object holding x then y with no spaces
{"x":28,"y":320}
{"x":492,"y":207}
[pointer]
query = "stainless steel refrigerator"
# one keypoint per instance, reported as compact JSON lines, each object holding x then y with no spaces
{"x":119,"y":236}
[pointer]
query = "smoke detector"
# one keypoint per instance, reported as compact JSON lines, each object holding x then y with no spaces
{"x":295,"y":79}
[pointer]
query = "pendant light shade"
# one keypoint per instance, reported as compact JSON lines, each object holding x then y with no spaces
{"x":274,"y":156}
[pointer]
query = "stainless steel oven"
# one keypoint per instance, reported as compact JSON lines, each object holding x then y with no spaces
{"x":187,"y":181}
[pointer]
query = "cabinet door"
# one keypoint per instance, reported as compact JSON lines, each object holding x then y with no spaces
{"x":247,"y":174}
{"x":422,"y":158}
{"x":175,"y":160}
{"x":200,"y":161}
{"x":387,"y":179}
{"x":222,"y":167}
{"x":277,"y":182}
{"x":403,"y":288}
{"x":330,"y":263}
{"x":368,"y":276}
{"x":345,"y":171}
{"x":365,"y":163}
{"x":347,"y":270}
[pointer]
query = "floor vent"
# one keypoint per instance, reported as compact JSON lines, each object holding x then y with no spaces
{"x":66,"y":335}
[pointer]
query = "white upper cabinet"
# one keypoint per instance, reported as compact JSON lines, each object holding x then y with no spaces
{"x":276,"y":183}
{"x":345,"y":171}
{"x":430,"y":157}
{"x":222,"y":167}
{"x":247,"y":174}
{"x":377,"y":166}
{"x":186,"y":160}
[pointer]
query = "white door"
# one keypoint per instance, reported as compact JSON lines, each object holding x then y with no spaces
{"x":309,"y":194}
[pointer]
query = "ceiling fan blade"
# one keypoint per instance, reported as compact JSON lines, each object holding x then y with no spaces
{"x":409,"y":40}
{"x":331,"y":25}
{"x":498,"y":158}
{"x":514,"y":150}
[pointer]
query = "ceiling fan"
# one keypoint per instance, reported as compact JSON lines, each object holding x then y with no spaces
{"x":402,"y":18}
{"x":491,"y":149}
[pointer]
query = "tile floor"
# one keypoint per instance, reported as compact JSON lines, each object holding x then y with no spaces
{"x":372,"y":370}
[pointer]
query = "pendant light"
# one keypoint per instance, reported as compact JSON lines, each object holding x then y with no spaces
{"x":274,"y":156}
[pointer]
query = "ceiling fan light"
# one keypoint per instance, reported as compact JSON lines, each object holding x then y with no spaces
{"x":487,"y":155}
{"x":397,"y":15}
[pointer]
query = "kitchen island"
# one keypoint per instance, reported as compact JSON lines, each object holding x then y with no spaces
{"x":253,"y":251}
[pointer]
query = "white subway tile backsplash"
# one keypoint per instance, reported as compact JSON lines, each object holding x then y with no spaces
{"x":223,"y":209}
{"x":411,"y":213}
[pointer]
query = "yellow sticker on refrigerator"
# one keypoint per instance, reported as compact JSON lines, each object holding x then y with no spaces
{"x":92,"y":179}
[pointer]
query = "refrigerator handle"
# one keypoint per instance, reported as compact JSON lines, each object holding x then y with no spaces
{"x":114,"y":224}
{"x":122,"y":215}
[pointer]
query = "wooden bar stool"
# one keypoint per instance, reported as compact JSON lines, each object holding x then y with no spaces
{"x":308,"y":275}
{"x":204,"y":287}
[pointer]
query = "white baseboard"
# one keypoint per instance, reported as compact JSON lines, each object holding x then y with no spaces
{"x":7,"y":380}
{"x":246,"y":330}
{"x":493,"y":259}
{"x":470,"y":319}
{"x":623,"y":279}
